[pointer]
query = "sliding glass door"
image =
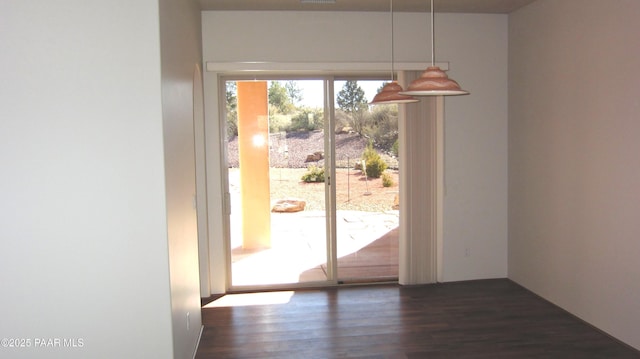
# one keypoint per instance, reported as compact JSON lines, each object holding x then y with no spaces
{"x":303,"y":211}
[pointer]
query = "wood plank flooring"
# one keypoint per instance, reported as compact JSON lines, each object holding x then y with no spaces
{"x":475,"y":319}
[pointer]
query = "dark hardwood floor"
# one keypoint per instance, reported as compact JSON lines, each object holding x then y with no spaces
{"x":475,"y":319}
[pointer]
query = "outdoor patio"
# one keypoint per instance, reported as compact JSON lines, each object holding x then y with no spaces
{"x":367,"y":248}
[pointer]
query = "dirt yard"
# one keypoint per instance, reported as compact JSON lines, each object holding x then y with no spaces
{"x":287,"y":160}
{"x":352,"y":191}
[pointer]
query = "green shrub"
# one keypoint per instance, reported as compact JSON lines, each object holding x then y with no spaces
{"x":308,"y":119}
{"x":375,"y":165}
{"x":387,"y":180}
{"x":314,"y":174}
{"x":382,"y":127}
{"x":394,"y":148}
{"x":369,"y":152}
{"x":279,"y":123}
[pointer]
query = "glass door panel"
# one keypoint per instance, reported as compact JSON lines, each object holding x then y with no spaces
{"x":276,"y":165}
{"x":367,"y":179}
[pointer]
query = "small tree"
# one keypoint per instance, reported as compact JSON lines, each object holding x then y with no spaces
{"x":279,"y":98}
{"x":351,"y":98}
{"x":352,"y":101}
{"x":295,"y":93}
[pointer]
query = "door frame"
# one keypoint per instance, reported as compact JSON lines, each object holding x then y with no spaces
{"x":217,"y":204}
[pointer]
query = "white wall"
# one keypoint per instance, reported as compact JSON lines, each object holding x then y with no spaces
{"x":181,"y":54}
{"x":83,"y":207}
{"x":574,"y":167}
{"x":475,"y":163}
{"x":476,"y":125}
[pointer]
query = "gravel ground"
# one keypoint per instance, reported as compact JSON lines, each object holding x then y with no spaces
{"x":290,"y":150}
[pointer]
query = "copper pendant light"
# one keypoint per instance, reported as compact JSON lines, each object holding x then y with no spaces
{"x":434,"y":81}
{"x":390,"y":92}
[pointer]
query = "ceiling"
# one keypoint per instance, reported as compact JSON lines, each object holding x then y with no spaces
{"x":464,"y":6}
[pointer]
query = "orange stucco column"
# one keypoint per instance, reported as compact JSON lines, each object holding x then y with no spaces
{"x":253,"y":149}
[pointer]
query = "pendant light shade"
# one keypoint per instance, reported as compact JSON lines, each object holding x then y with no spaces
{"x":390,"y":92}
{"x":434,"y":81}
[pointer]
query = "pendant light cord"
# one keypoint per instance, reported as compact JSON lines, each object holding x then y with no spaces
{"x":392,"y":48}
{"x":433,"y":35}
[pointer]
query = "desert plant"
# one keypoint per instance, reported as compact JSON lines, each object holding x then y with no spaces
{"x":352,"y":101}
{"x":374,"y":164}
{"x":279,"y":123}
{"x":387,"y":180}
{"x":395,"y":148}
{"x":382,"y":127}
{"x":314,"y":174}
{"x":308,"y":119}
